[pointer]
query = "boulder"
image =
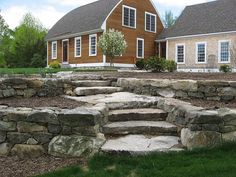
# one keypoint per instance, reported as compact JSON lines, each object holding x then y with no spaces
{"x":185,"y":85}
{"x":228,"y":116}
{"x":8,"y":93}
{"x":36,"y":83}
{"x":25,"y":127}
{"x":2,"y":136}
{"x":229,"y":136}
{"x":74,"y":146}
{"x":17,"y":138}
{"x":42,"y":137}
{"x":19,"y":114}
{"x":199,"y":139}
{"x":24,"y":151}
{"x":43,"y":116}
{"x":28,"y":93}
{"x":5,"y":149}
{"x":7,"y":126}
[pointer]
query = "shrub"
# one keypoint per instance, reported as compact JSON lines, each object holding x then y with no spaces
{"x":38,"y":61}
{"x":171,"y":65}
{"x":141,"y":64}
{"x":156,"y":64}
{"x":55,"y":65}
{"x":225,"y":68}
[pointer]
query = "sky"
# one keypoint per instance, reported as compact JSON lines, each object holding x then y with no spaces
{"x":50,"y":11}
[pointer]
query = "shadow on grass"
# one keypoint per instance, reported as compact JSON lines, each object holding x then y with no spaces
{"x":216,"y":162}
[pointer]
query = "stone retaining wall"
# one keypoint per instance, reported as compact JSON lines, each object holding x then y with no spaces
{"x":30,"y":133}
{"x":200,"y":127}
{"x":209,"y":90}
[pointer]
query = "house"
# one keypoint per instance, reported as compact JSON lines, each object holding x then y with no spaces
{"x":73,"y":39}
{"x":203,"y":37}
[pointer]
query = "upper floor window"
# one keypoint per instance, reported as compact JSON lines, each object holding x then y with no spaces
{"x":201,"y":52}
{"x":93,"y":45}
{"x":78,"y":47}
{"x":140,"y":48}
{"x":150,"y":22}
{"x":180,"y":53}
{"x":224,"y":51}
{"x":54,"y":50}
{"x":129,"y":16}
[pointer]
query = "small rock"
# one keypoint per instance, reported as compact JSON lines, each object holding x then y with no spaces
{"x":44,"y":116}
{"x":229,"y":136}
{"x":24,"y":151}
{"x":29,"y":93}
{"x":2,"y":136}
{"x":25,"y":127}
{"x":42,"y":138}
{"x":17,"y":138}
{"x":5,"y":149}
{"x":54,"y":129}
{"x":31,"y":141}
{"x":7,"y":126}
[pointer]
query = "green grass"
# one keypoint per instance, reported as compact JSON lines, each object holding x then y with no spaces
{"x":28,"y":71}
{"x":217,"y":162}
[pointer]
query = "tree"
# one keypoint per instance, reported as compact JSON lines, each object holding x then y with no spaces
{"x":169,"y":19}
{"x":28,"y":44}
{"x":112,"y":43}
{"x":4,"y":29}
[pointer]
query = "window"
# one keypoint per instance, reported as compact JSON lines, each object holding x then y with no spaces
{"x":224,"y":51}
{"x":150,"y":22}
{"x":140,"y":48}
{"x":54,"y":50}
{"x":78,"y":47}
{"x":180,"y":53}
{"x":93,"y":45}
{"x":201,"y":52}
{"x":129,"y":16}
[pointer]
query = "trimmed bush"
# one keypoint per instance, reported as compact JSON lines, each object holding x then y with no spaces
{"x":141,"y":64}
{"x":55,"y":65}
{"x":171,"y":65}
{"x":225,"y":69}
{"x":156,"y":64}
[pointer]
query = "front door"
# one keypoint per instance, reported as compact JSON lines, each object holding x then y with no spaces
{"x":65,"y":51}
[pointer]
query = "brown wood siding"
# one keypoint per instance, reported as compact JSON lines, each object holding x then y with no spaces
{"x":85,"y":58}
{"x":131,"y":35}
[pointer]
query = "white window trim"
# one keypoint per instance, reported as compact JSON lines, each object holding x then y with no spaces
{"x":148,"y":13}
{"x":176,"y":53}
{"x":75,"y":49}
{"x":53,"y":57}
{"x":198,"y":43}
{"x":140,"y":39}
{"x":90,"y":54}
{"x":135,"y":21}
{"x":68,"y":51}
{"x":219,"y":52}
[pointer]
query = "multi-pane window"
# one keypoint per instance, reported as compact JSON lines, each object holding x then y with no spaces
{"x":54,"y":50}
{"x":140,"y":48}
{"x":93,"y":45}
{"x":150,"y":22}
{"x":129,"y":16}
{"x":201,"y":52}
{"x":224,"y":51}
{"x":78,"y":47}
{"x":180,"y":52}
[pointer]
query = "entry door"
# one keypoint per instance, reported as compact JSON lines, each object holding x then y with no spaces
{"x":65,"y":51}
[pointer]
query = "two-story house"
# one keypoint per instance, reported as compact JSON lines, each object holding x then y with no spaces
{"x":73,"y":39}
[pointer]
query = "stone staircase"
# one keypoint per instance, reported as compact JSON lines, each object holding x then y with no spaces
{"x":133,"y":126}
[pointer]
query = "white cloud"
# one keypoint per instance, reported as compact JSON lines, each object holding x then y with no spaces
{"x":179,"y":3}
{"x":73,"y":3}
{"x":48,"y":15}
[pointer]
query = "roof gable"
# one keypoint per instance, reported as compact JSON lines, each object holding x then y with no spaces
{"x":82,"y":19}
{"x":213,"y":17}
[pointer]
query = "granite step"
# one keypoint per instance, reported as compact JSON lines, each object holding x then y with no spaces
{"x":140,"y":127}
{"x":141,"y":144}
{"x":137,"y":115}
{"x":85,"y":91}
{"x":92,"y":83}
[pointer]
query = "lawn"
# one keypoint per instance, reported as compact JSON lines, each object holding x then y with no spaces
{"x":217,"y":162}
{"x":28,"y":71}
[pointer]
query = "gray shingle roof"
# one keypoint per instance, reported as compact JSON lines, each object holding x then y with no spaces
{"x":211,"y":17}
{"x":83,"y":19}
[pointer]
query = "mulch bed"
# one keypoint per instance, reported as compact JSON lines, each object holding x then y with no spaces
{"x":34,"y":102}
{"x":212,"y":104}
{"x":177,"y":75}
{"x":13,"y":167}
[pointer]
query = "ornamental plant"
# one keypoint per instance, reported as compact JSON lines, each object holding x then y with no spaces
{"x":112,"y":44}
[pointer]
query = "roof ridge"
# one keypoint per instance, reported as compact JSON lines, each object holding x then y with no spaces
{"x":210,"y":2}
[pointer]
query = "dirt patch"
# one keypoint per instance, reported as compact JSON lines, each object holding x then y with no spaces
{"x":13,"y":167}
{"x":34,"y":102}
{"x":212,"y":104}
{"x":177,"y":75}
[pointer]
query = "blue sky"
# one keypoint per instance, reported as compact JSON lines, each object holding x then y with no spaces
{"x":49,"y":11}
